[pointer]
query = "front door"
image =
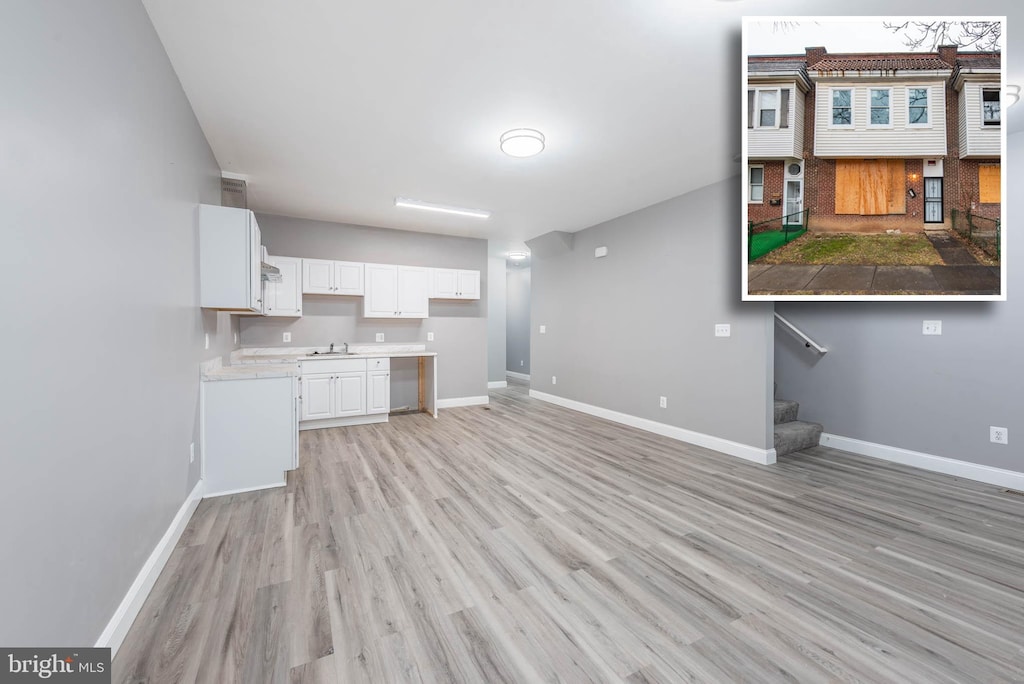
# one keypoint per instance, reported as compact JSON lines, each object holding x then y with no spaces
{"x":933,"y":200}
{"x":794,"y":203}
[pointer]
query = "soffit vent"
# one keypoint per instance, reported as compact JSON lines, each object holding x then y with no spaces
{"x":232,"y":193}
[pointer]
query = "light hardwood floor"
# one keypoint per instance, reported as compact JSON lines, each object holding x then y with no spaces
{"x":529,"y":543}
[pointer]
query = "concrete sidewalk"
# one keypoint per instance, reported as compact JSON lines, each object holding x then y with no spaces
{"x":810,"y":279}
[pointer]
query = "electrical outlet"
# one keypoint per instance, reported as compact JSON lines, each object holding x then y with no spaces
{"x":192,"y":452}
{"x":206,"y":343}
{"x":287,"y":337}
{"x":998,"y":435}
{"x":521,"y":363}
{"x":554,"y":380}
{"x":380,"y":337}
{"x":543,"y":329}
{"x":663,"y":402}
{"x":931,"y":328}
{"x":430,"y":337}
{"x":723,"y":330}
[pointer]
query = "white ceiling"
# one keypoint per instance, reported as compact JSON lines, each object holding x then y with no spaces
{"x":332,"y":108}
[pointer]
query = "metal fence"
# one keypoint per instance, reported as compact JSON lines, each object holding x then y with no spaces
{"x":979,"y":230}
{"x":786,"y":227}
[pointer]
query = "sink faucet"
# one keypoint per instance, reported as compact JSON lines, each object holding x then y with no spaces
{"x":331,"y":350}
{"x":346,"y":347}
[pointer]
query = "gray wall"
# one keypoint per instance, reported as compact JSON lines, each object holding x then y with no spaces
{"x":884,"y":382}
{"x":518,"y":316}
{"x":639,"y":323}
{"x":459,"y":327}
{"x":496,"y":304}
{"x":103,"y":166}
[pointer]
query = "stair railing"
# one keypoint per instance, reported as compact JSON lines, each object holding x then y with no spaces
{"x":808,"y":342}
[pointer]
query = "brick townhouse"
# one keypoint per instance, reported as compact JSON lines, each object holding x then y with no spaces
{"x":870,"y":142}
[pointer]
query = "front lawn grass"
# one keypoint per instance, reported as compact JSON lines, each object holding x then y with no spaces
{"x":910,"y":249}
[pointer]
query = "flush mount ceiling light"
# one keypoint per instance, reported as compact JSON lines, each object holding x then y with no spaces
{"x":441,"y":208}
{"x":522,"y":142}
{"x":1012,"y":94}
{"x":518,"y":256}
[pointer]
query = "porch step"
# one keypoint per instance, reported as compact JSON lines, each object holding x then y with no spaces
{"x":785,"y":411}
{"x":795,"y":435}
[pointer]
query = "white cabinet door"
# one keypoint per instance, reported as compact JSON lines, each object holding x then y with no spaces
{"x":318,"y":400}
{"x":445,"y":281}
{"x":378,"y":391}
{"x":350,"y":394}
{"x":317,"y":276}
{"x":284,"y":298}
{"x":255,"y":261}
{"x":413,"y":291}
{"x":348,"y":278}
{"x":381,"y":296}
{"x":468,"y":285}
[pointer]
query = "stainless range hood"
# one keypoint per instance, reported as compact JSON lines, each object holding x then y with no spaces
{"x":271,"y":274}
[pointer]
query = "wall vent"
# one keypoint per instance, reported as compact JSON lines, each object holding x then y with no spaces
{"x":232,"y":193}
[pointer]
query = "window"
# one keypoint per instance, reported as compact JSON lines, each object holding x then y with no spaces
{"x":990,"y":115}
{"x":880,"y":106}
{"x":988,"y":184}
{"x":756,"y":184}
{"x":917,"y":106}
{"x":842,"y":107}
{"x":767,"y":108}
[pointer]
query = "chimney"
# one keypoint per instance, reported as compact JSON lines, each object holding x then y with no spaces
{"x":815,"y":55}
{"x":947,"y":53}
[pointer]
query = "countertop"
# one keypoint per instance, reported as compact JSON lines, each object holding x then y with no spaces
{"x":283,"y":362}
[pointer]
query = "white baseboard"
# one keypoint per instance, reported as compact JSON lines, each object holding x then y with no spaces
{"x":744,"y":451}
{"x":497,"y":384}
{"x":518,"y":376}
{"x":347,"y":421}
{"x":243,"y":490}
{"x":938,"y":464}
{"x":462,"y":401}
{"x":116,"y":630}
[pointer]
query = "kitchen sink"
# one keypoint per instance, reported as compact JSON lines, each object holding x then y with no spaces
{"x":334,"y":353}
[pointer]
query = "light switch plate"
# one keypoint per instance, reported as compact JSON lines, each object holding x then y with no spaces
{"x":430,"y":337}
{"x":206,"y":343}
{"x":931,"y":328}
{"x":192,"y":452}
{"x":287,"y":337}
{"x":600,"y":252}
{"x":663,"y":402}
{"x":554,"y":380}
{"x":380,"y":337}
{"x":723,"y":330}
{"x":543,"y":329}
{"x":236,"y":338}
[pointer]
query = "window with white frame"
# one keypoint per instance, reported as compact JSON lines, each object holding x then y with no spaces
{"x":880,"y":99}
{"x":842,"y":107}
{"x":767,"y":108}
{"x":990,"y":114}
{"x":917,"y":106}
{"x":755,"y":184}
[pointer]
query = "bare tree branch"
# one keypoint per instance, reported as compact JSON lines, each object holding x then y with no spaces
{"x":983,"y":36}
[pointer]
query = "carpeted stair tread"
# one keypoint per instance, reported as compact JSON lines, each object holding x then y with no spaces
{"x":785,"y":411}
{"x":796,"y":435}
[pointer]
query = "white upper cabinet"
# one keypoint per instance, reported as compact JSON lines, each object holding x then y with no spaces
{"x":321,"y":276}
{"x":396,"y":291}
{"x":451,"y":283}
{"x":284,"y":298}
{"x":229,"y":259}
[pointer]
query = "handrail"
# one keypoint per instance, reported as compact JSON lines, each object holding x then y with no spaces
{"x":808,"y":342}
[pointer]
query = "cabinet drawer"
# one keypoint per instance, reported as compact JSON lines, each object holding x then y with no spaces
{"x":378,"y":364}
{"x":332,"y":365}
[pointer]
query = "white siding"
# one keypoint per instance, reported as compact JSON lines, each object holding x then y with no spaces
{"x":977,"y":139}
{"x":778,"y":143}
{"x":898,"y":140}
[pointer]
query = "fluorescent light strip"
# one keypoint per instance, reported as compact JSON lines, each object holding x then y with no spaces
{"x":428,"y":206}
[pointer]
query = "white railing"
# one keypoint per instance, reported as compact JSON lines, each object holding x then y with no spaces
{"x":808,"y":342}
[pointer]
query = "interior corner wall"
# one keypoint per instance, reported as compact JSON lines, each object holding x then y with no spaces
{"x":103,"y":167}
{"x":496,"y":307}
{"x":517,"y":351}
{"x":884,"y":382}
{"x":638,"y":324}
{"x":459,"y":326}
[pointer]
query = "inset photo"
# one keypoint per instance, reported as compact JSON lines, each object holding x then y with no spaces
{"x":873,"y":158}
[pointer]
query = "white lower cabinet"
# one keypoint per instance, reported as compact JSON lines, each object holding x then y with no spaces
{"x":350,"y":394}
{"x":345,"y":388}
{"x":378,"y":391}
{"x":317,"y":396}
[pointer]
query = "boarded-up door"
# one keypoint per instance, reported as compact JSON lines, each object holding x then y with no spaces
{"x":870,"y":187}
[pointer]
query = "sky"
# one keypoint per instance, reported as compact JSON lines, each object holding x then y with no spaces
{"x":858,"y":35}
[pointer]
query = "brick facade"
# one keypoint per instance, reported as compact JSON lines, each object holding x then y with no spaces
{"x":765,"y":210}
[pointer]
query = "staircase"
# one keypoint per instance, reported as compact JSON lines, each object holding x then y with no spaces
{"x":792,"y":434}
